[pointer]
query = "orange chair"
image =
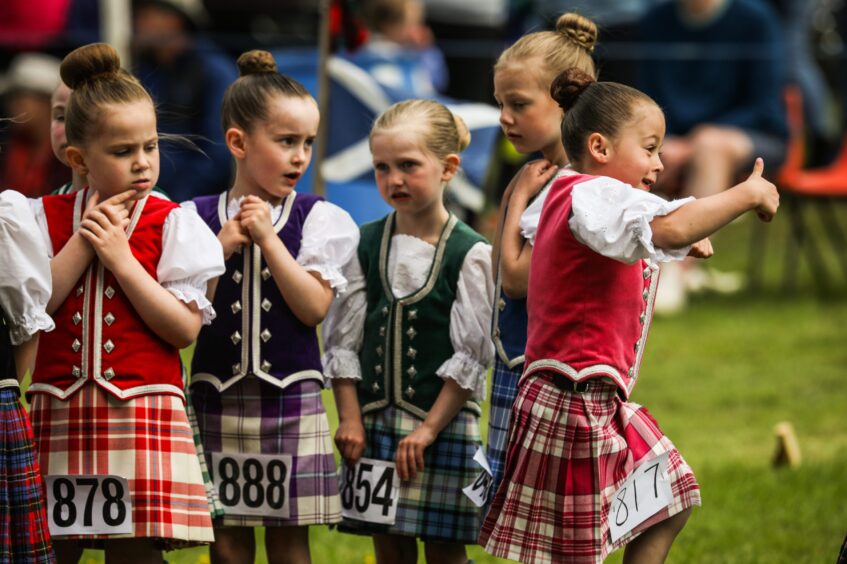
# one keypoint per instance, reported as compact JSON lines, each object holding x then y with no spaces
{"x":800,"y":188}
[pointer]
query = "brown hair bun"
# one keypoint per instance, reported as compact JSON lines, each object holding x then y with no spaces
{"x":569,"y":85}
{"x":256,"y":62}
{"x":88,"y":63}
{"x":578,"y":29}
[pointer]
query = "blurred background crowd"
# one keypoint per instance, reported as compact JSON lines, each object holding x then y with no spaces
{"x":719,"y":68}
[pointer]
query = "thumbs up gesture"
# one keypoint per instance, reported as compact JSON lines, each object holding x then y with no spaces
{"x":764,"y":192}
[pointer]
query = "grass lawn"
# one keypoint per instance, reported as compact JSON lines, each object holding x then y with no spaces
{"x":718,"y":378}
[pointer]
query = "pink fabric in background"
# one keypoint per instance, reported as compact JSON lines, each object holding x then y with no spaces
{"x":32,"y":23}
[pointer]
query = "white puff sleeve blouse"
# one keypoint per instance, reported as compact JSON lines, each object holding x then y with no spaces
{"x":612,"y":218}
{"x":191,"y":256}
{"x":408,"y":266}
{"x":25,"y":281}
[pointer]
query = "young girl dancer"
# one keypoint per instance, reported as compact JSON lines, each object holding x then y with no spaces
{"x":530,"y":120}
{"x":59,"y":141}
{"x":129,"y":282}
{"x":407,"y":346}
{"x":575,"y":437}
{"x":24,"y":292}
{"x":256,"y":373}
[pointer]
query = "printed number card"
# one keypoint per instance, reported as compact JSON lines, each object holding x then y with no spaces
{"x":644,"y":493}
{"x":480,"y":489}
{"x":253,"y":484}
{"x":86,"y":505}
{"x":369,"y":491}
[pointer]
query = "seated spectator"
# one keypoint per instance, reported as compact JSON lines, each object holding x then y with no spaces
{"x":187,"y":77}
{"x":721,"y":90}
{"x":26,"y":156}
{"x":717,"y":69}
{"x":400,"y":53}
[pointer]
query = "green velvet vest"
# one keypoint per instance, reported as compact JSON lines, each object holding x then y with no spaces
{"x":407,"y":338}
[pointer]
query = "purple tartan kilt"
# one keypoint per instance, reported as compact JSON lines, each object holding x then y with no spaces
{"x":255,"y":417}
{"x":24,"y":536}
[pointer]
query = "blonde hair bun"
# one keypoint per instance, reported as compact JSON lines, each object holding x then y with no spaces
{"x":97,"y":60}
{"x":256,"y":62}
{"x":578,"y":30}
{"x":463,"y":132}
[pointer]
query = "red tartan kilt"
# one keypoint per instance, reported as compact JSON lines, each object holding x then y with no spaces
{"x":568,"y":453}
{"x":147,"y":440}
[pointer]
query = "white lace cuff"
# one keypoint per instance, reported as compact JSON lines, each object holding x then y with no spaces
{"x":22,"y":329}
{"x":341,"y":363}
{"x":186,"y":292}
{"x":331,"y":274}
{"x":643,"y":233}
{"x":466,"y":371}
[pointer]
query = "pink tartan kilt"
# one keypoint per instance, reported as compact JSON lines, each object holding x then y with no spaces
{"x":568,"y":453}
{"x":147,"y":440}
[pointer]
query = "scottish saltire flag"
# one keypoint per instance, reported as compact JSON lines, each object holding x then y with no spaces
{"x":356,"y":99}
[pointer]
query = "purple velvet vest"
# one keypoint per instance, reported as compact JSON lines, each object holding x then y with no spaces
{"x":255,"y":331}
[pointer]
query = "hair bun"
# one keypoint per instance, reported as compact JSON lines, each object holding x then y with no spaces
{"x":256,"y":62}
{"x":578,"y":29}
{"x":569,"y":85}
{"x":89,"y":63}
{"x":463,"y":132}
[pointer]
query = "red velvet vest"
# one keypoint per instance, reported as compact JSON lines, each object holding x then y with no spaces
{"x":588,"y":314}
{"x":99,"y":336}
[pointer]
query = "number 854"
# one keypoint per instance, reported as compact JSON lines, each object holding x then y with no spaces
{"x":379,"y":495}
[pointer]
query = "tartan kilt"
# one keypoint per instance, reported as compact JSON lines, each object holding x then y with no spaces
{"x":256,"y":417}
{"x":147,"y":440}
{"x":431,"y":507}
{"x":568,"y":454}
{"x":24,"y":536}
{"x":215,"y":507}
{"x":504,"y":389}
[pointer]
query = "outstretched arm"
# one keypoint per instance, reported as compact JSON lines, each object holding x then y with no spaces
{"x":700,"y":218}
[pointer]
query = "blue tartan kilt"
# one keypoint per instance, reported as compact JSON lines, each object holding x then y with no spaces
{"x":431,"y":507}
{"x":504,"y":390}
{"x":24,"y":536}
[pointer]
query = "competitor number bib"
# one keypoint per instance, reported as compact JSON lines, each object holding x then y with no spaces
{"x":369,"y":491}
{"x":88,"y":505}
{"x":253,"y":484}
{"x":644,"y":493}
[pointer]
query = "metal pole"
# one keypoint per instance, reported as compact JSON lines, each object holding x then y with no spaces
{"x":116,"y":27}
{"x":323,"y":96}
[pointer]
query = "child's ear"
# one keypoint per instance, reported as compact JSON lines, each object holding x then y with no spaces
{"x":599,"y":148}
{"x":76,"y":160}
{"x":451,"y":166}
{"x":235,"y":141}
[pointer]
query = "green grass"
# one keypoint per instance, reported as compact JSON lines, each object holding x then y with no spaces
{"x":718,"y":378}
